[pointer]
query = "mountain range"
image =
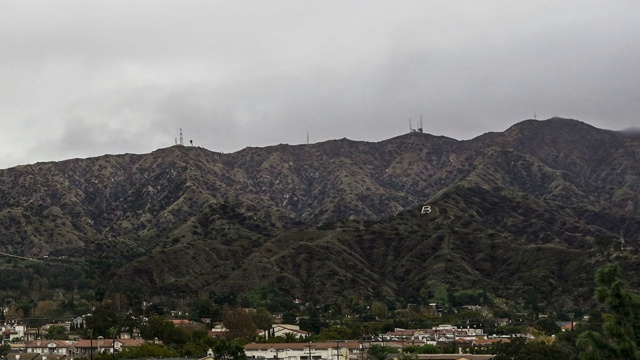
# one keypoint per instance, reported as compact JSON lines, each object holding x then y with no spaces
{"x":525,"y":213}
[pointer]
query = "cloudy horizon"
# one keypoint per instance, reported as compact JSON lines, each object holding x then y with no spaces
{"x":86,"y":78}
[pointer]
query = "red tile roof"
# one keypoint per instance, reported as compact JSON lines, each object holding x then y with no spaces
{"x":86,"y":343}
{"x":299,"y":346}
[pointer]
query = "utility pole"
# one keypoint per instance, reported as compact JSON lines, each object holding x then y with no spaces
{"x":337,"y":350}
{"x":90,"y":331}
{"x":455,"y":342}
{"x":309,"y":350}
{"x":113,"y":342}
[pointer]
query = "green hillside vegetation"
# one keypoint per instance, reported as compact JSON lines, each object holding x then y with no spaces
{"x":522,"y":217}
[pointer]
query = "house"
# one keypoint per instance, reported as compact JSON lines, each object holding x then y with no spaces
{"x":188,"y":324}
{"x":486,"y":344}
{"x":35,"y":356}
{"x":11,"y":332}
{"x":85,"y":347}
{"x":399,"y":334}
{"x":48,"y":347}
{"x":22,"y":356}
{"x":453,"y":357}
{"x":283,"y":329}
{"x":31,"y":334}
{"x":218,"y":330}
{"x":567,"y":325}
{"x":437,"y":334}
{"x":209,"y":355}
{"x":79,"y":322}
{"x":306,"y":351}
{"x":53,"y":357}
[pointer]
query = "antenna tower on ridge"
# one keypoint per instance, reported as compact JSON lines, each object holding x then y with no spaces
{"x":181,"y":139}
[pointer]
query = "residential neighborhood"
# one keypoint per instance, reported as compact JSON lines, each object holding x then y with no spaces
{"x":24,"y":346}
{"x":103,"y":335}
{"x":27,"y":343}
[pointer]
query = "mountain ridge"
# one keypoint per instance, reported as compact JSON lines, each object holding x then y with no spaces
{"x":341,"y":213}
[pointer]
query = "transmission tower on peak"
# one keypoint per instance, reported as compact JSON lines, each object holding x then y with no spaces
{"x":181,"y":139}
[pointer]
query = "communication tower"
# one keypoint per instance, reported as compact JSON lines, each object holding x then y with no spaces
{"x":419,"y":129}
{"x":181,"y":139}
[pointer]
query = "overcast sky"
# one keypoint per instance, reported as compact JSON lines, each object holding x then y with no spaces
{"x":87,"y":78}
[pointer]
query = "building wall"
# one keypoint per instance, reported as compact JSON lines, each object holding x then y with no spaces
{"x":303,"y":354}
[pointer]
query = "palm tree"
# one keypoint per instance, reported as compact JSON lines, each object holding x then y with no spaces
{"x":289,"y":337}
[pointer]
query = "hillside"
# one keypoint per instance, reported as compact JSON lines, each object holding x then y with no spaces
{"x":534,"y":208}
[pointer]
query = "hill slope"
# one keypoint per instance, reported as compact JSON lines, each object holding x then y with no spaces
{"x":532,"y":207}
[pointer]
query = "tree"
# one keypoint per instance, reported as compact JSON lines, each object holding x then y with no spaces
{"x":313,"y":323}
{"x":101,"y":320}
{"x":227,"y":350}
{"x":621,"y":329}
{"x":99,"y":294}
{"x":379,"y":352}
{"x":289,"y":337}
{"x":262,"y":318}
{"x":148,"y":351}
{"x":48,"y":308}
{"x":25,"y":306}
{"x":379,"y":310}
{"x":337,"y":332}
{"x":56,"y":332}
{"x":4,"y":350}
{"x":157,"y":327}
{"x":203,"y":308}
{"x":424,"y":349}
{"x":238,"y":322}
{"x":289,"y":318}
{"x":548,"y":326}
{"x":519,"y":348}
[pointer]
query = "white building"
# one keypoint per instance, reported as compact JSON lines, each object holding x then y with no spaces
{"x":283,"y":329}
{"x":10,"y":332}
{"x":48,"y":347}
{"x":334,"y":350}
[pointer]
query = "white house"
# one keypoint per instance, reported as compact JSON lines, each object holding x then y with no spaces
{"x":283,"y":329}
{"x":48,"y":347}
{"x":10,"y":332}
{"x":344,"y":350}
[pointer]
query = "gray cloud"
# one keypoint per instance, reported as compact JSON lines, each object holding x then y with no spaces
{"x":85,"y":78}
